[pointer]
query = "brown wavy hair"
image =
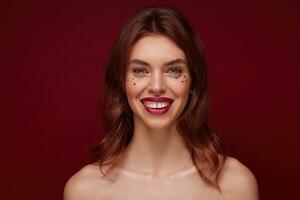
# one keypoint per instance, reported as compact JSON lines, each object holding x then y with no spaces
{"x":207,"y":152}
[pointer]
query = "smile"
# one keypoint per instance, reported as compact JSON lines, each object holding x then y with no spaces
{"x":157,"y":105}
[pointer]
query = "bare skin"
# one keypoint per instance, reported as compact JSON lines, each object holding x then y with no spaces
{"x":156,"y":164}
{"x":236,"y":183}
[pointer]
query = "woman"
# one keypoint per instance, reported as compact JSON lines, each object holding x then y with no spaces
{"x":157,"y":142}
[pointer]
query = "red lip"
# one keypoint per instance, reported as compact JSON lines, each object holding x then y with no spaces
{"x":157,"y":111}
{"x":157,"y":99}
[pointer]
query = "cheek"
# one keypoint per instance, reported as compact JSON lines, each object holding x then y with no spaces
{"x":181,"y":85}
{"x":134,"y":86}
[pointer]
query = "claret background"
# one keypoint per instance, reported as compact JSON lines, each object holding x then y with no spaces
{"x":51,"y":57}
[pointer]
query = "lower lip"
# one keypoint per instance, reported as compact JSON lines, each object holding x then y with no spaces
{"x":158,"y":111}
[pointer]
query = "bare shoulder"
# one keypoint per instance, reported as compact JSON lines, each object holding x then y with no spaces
{"x":237,"y":181}
{"x":82,"y":185}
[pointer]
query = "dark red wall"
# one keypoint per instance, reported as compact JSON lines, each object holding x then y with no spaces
{"x":51,"y":55}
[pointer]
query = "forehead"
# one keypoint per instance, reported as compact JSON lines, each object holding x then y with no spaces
{"x":156,"y":49}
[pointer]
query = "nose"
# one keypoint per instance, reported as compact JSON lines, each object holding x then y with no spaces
{"x":157,"y":86}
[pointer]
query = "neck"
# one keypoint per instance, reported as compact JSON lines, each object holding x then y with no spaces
{"x":157,"y":152}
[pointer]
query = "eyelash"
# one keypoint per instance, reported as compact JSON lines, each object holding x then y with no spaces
{"x":174,"y":69}
{"x":138,"y":70}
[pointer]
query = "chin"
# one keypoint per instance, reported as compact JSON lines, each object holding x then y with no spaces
{"x":156,"y":124}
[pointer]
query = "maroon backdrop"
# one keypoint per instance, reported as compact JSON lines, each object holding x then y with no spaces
{"x":51,"y":56}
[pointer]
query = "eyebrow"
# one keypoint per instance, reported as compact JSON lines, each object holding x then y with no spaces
{"x":172,"y":62}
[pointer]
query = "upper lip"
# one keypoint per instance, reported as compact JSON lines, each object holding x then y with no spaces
{"x":157,"y":99}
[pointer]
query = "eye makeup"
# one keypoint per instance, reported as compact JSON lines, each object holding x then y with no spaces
{"x":139,"y":71}
{"x":172,"y":71}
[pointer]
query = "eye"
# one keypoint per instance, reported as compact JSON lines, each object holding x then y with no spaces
{"x":139,"y":71}
{"x":174,"y":71}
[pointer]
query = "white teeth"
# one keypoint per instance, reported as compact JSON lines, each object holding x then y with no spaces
{"x":156,"y":104}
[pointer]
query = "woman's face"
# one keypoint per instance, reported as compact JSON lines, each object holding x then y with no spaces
{"x":157,"y":81}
